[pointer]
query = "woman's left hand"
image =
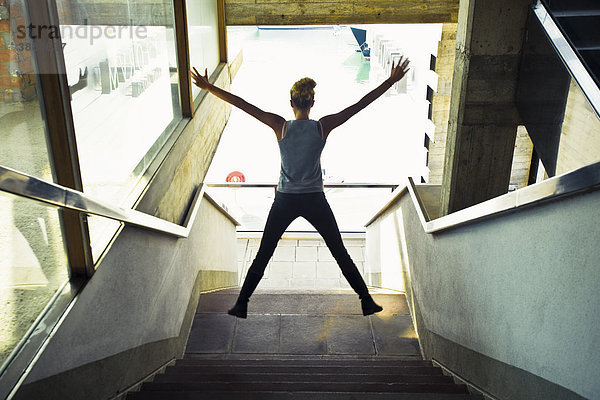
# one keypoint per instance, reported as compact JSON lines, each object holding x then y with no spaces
{"x":199,"y":80}
{"x":399,"y":70}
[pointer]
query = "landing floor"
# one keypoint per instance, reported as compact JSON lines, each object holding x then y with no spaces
{"x":307,"y":323}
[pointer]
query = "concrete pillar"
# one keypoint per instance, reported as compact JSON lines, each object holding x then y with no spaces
{"x":444,"y":67}
{"x":483,"y":118}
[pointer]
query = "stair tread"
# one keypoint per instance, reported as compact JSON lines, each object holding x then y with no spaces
{"x":577,"y":13}
{"x":240,"y":363}
{"x":266,"y":395}
{"x":307,"y":386}
{"x":304,"y":377}
{"x":316,"y":302}
{"x":304,"y":362}
{"x":322,"y":369}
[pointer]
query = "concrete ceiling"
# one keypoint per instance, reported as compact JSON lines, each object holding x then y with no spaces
{"x":332,"y":12}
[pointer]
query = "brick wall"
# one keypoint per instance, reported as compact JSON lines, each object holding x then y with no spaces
{"x":17,"y":78}
{"x":301,"y":263}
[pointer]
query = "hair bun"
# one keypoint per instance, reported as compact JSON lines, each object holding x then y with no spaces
{"x":307,"y":83}
{"x":302,"y":93}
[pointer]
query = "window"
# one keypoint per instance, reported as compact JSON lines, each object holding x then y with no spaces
{"x":203,"y":32}
{"x":123,"y":78}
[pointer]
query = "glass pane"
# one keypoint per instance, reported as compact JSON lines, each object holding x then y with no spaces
{"x":122,"y":71}
{"x":23,"y":143}
{"x":203,"y":31}
{"x":33,"y":266}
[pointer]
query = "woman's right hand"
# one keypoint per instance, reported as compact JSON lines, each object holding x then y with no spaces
{"x":199,"y":80}
{"x":399,"y":70}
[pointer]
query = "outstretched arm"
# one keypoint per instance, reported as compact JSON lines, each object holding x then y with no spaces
{"x":330,"y":122}
{"x":273,"y":120}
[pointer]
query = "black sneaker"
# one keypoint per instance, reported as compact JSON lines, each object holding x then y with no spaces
{"x":369,"y":306}
{"x":240,"y":310}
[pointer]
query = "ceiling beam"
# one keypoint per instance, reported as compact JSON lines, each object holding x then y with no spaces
{"x":333,"y":12}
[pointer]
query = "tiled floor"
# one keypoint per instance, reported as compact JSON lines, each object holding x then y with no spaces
{"x":288,"y":322}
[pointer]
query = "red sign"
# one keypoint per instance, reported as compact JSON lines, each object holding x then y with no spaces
{"x":235,"y":176}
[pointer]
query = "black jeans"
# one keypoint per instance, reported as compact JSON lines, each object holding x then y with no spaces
{"x":315,"y":208}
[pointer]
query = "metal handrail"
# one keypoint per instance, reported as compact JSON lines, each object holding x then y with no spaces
{"x":580,"y":180}
{"x":326,"y":185}
{"x":27,"y":186}
{"x":273,"y":186}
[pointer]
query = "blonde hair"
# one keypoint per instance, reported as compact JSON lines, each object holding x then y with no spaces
{"x":303,"y":93}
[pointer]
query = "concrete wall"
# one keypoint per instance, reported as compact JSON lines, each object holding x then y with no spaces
{"x":521,"y":162}
{"x":301,"y":262}
{"x":580,"y":139}
{"x":135,"y":313}
{"x":383,"y":264}
{"x":509,"y":303}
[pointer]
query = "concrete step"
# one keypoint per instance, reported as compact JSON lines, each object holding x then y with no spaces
{"x":299,"y":356}
{"x":304,"y":362}
{"x":267,"y":395}
{"x":299,"y":369}
{"x":301,"y":377}
{"x":332,"y":387}
{"x":291,"y":302}
{"x":302,"y":345}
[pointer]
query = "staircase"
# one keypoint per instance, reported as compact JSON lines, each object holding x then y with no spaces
{"x":579,"y":19}
{"x":302,"y":345}
{"x":302,"y":378}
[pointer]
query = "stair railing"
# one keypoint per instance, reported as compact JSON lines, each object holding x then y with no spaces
{"x":256,"y":225}
{"x":27,"y":186}
{"x":50,"y":194}
{"x":584,"y":179}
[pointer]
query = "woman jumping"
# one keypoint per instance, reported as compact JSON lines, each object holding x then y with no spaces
{"x":300,"y":189}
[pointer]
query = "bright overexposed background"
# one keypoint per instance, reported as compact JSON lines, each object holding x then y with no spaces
{"x":381,"y":144}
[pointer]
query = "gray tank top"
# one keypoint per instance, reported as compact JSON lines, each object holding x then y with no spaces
{"x":300,"y":149}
